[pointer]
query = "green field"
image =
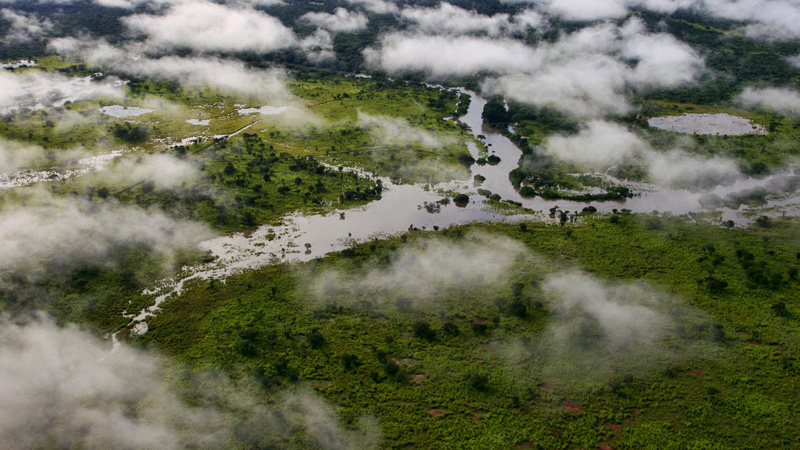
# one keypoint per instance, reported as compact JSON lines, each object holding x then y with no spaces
{"x":488,"y":372}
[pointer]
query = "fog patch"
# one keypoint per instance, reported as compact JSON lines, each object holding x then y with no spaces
{"x":587,"y":73}
{"x":228,"y":76}
{"x":25,"y":27}
{"x":601,"y":331}
{"x":422,"y":269}
{"x":394,"y":131}
{"x":376,"y":6}
{"x":783,"y":100}
{"x":15,"y":155}
{"x":447,"y":18}
{"x":210,"y":27}
{"x":68,"y":231}
{"x":162,"y":170}
{"x":69,"y":390}
{"x":341,"y":20}
{"x":603,"y":144}
{"x":34,"y":90}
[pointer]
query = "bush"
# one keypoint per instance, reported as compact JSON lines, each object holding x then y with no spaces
{"x":450,"y":329}
{"x":423,"y":330}
{"x":461,"y":199}
{"x":315,"y":339}
{"x":527,"y":191}
{"x":478,"y":382}
{"x":349,"y":362}
{"x":479,"y":328}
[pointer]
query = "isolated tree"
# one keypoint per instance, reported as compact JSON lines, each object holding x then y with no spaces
{"x":423,"y":330}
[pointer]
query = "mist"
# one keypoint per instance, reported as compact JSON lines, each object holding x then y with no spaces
{"x":601,"y":331}
{"x":587,"y":73}
{"x":70,"y":390}
{"x":783,"y":100}
{"x":70,"y":231}
{"x":210,"y":27}
{"x":423,"y":269}
{"x":228,"y":76}
{"x":25,"y":27}
{"x":341,"y":20}
{"x":603,"y":144}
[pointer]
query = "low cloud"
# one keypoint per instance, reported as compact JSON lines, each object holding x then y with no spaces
{"x":450,"y":19}
{"x":762,"y":19}
{"x":164,"y":171}
{"x":228,"y":76}
{"x":600,"y":331}
{"x":68,"y":390}
{"x":36,"y":90}
{"x":15,"y":155}
{"x":586,"y":73}
{"x":603,"y":144}
{"x":395,"y":131}
{"x":73,"y":231}
{"x":341,"y":20}
{"x":783,"y":100}
{"x":210,"y":27}
{"x":25,"y":27}
{"x":424,"y":269}
{"x":376,"y":6}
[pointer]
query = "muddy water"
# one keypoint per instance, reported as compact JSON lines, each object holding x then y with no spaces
{"x":402,"y":207}
{"x":721,"y":124}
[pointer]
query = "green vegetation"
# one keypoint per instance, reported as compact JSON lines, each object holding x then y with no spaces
{"x":439,"y":360}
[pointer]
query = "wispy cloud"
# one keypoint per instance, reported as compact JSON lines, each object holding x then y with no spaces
{"x":69,"y":390}
{"x":210,"y":27}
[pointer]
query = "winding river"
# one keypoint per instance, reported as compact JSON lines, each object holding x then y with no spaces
{"x":302,"y":238}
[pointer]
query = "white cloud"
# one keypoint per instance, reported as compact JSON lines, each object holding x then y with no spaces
{"x":210,"y":27}
{"x":25,"y":27}
{"x":16,"y":155}
{"x":165,"y":171}
{"x":599,"y":143}
{"x":68,"y":390}
{"x":229,"y":76}
{"x":397,"y":131}
{"x":604,"y":144}
{"x":442,"y":55}
{"x":69,"y":230}
{"x":585,"y":73}
{"x":586,"y":9}
{"x":341,"y":20}
{"x":447,"y":18}
{"x":601,"y":331}
{"x":424,"y":268}
{"x":779,"y":99}
{"x":376,"y":6}
{"x":36,"y":89}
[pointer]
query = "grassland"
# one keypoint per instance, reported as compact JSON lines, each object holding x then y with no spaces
{"x":459,"y":384}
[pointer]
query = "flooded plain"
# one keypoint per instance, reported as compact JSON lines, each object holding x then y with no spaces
{"x":716,"y":124}
{"x":123,"y":112}
{"x":403,"y":207}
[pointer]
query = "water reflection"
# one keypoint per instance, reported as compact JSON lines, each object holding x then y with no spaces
{"x":403,"y":206}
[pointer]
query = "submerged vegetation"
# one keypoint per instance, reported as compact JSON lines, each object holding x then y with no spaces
{"x":150,"y":152}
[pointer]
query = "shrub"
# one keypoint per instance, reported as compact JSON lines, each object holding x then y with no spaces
{"x":423,"y":330}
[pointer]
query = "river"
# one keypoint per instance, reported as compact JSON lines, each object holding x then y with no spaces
{"x":402,"y":207}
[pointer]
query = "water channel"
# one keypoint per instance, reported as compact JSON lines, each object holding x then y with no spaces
{"x":402,"y":207}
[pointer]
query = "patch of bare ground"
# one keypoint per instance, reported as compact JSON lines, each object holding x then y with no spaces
{"x":478,"y":416}
{"x":408,"y":362}
{"x":436,"y":412}
{"x":492,"y":346}
{"x":572,"y":407}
